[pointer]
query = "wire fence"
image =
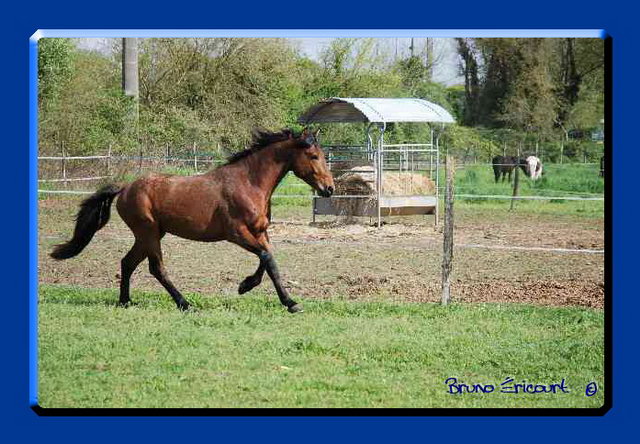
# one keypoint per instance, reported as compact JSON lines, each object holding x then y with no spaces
{"x":56,"y":170}
{"x":415,"y":244}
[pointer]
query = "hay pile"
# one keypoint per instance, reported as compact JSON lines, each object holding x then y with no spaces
{"x":361,"y":181}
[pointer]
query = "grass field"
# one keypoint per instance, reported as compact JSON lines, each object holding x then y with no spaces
{"x":558,"y":180}
{"x":246,"y":352}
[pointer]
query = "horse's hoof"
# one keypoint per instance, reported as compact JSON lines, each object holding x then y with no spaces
{"x":297,"y":308}
{"x":184,"y":306}
{"x":126,"y":304}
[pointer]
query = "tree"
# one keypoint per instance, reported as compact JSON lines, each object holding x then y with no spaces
{"x":55,"y":67}
{"x":469,"y":67}
{"x":580,"y":84}
{"x":529,"y":103}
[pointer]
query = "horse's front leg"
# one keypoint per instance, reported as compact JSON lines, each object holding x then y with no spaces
{"x":259,"y":245}
{"x":269,"y":262}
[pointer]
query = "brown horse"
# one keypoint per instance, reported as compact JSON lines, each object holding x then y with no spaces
{"x":231,"y":202}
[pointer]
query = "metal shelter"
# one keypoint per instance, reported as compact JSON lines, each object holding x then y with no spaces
{"x":406,"y":160}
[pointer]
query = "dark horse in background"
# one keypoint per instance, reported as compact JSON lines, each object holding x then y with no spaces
{"x":504,"y":165}
{"x":229,"y":203}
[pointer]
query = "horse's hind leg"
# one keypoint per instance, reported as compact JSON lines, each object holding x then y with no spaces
{"x":156,"y":268}
{"x":250,"y":282}
{"x":127,"y":266}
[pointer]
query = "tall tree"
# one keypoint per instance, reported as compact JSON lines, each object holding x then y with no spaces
{"x":529,"y":103}
{"x":580,"y":83}
{"x":467,"y":51}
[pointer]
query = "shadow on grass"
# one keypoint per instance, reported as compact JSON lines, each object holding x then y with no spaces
{"x":142,"y":300}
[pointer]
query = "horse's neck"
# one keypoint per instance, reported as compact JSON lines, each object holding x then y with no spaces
{"x":266,"y":168}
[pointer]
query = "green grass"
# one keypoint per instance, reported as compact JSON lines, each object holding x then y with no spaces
{"x":558,"y":180}
{"x":568,"y":180}
{"x":248,"y":352}
{"x":559,"y":207}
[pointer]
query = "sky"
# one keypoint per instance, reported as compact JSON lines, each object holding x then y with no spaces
{"x":446,"y":69}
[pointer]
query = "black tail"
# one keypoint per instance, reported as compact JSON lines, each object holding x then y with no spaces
{"x":93,"y":215}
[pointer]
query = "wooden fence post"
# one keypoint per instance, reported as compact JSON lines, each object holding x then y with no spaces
{"x":109,"y":161}
{"x":516,"y":183}
{"x":166,"y":155}
{"x":64,"y":165}
{"x":195,"y":158}
{"x":447,"y":253}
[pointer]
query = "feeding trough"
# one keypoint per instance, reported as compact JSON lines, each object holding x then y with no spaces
{"x":379,"y":179}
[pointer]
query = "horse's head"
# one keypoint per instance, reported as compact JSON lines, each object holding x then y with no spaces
{"x":310,"y":165}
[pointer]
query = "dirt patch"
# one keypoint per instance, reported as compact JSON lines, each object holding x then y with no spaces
{"x":553,"y":293}
{"x":588,"y":294}
{"x":400,"y":261}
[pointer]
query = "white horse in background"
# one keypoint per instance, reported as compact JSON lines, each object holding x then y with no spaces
{"x":533,"y":167}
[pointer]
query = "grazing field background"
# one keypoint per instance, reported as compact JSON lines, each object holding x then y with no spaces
{"x":528,"y":291}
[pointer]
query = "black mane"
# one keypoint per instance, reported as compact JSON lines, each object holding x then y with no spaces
{"x":261,"y":139}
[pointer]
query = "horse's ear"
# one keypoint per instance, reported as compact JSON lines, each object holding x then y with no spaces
{"x":308,"y":138}
{"x":315,"y":133}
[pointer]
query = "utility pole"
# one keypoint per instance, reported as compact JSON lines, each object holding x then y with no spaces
{"x":130,"y":81}
{"x":130,"y":67}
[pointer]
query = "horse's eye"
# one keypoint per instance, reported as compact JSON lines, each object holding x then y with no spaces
{"x":314,"y":157}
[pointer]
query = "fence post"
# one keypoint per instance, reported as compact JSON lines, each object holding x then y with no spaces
{"x":195,"y":158}
{"x":516,"y":183}
{"x":447,"y":253}
{"x":109,"y":161}
{"x":166,"y":155}
{"x":64,"y":165}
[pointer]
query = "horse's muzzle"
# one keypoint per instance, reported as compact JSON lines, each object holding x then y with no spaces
{"x":326,"y":192}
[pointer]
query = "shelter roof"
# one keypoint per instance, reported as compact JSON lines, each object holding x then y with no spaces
{"x":376,"y":110}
